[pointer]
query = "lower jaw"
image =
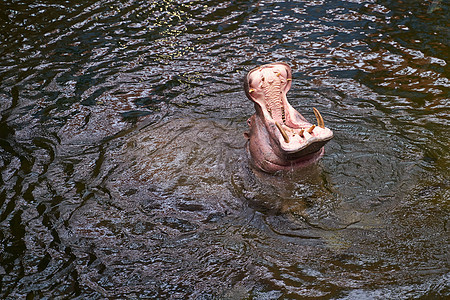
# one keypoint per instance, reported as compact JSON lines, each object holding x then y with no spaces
{"x":289,"y":165}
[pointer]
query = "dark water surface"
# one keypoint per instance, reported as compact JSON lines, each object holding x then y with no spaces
{"x":123,"y":168}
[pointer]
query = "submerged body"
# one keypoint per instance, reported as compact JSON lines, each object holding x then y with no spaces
{"x":280,"y":138}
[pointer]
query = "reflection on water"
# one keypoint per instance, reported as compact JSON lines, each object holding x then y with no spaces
{"x":123,"y":169}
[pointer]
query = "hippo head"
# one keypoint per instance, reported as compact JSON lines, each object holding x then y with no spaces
{"x":280,"y":138}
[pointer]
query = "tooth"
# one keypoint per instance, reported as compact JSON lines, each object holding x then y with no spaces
{"x":289,"y":79}
{"x":251,"y":91}
{"x":283,"y":133}
{"x":319,"y":118}
{"x":310,"y":130}
{"x":301,"y":132}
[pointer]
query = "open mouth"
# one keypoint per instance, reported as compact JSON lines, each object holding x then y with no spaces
{"x":267,"y":87}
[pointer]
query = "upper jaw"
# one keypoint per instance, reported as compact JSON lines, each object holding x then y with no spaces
{"x":267,"y":86}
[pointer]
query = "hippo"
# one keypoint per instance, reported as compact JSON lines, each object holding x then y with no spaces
{"x":280,"y":138}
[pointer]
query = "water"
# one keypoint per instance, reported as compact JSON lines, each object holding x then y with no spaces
{"x":123,"y":169}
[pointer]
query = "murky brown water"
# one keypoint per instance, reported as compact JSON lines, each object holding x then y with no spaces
{"x":124,"y":172}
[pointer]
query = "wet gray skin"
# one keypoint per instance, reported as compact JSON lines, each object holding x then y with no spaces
{"x":280,"y":138}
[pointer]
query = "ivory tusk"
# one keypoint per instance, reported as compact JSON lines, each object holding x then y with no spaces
{"x":319,"y":118}
{"x":283,"y":133}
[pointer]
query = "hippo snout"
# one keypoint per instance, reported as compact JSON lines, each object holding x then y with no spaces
{"x":280,"y":138}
